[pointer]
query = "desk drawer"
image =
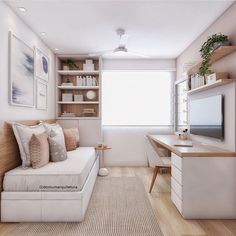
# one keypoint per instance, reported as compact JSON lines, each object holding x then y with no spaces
{"x":176,"y":187}
{"x":176,"y":174}
{"x":176,"y":161}
{"x":177,"y":201}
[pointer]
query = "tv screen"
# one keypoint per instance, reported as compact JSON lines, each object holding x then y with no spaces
{"x":206,"y":116}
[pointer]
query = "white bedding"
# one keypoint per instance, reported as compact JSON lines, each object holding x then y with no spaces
{"x":65,"y":176}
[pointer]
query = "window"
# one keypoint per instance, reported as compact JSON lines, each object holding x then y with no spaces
{"x":137,"y":98}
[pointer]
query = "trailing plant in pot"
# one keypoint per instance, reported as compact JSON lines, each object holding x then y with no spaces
{"x":70,"y":64}
{"x":213,"y":42}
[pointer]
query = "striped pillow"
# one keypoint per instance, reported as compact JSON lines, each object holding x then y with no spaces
{"x":39,"y":150}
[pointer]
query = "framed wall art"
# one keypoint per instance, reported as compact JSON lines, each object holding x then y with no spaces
{"x":41,"y":65}
{"x":21,"y":73}
{"x":42,"y":95}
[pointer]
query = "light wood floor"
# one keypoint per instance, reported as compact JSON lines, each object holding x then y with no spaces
{"x":170,"y":221}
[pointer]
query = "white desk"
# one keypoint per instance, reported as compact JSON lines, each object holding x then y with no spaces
{"x":203,"y":179}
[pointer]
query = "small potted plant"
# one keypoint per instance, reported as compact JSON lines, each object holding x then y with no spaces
{"x":69,"y":64}
{"x":213,"y":42}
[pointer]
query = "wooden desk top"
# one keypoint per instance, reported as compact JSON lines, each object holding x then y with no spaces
{"x":197,"y":150}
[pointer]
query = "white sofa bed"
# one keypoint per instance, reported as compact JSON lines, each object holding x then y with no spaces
{"x":56,"y":192}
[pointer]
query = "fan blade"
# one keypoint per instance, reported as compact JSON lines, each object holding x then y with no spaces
{"x":123,"y":39}
{"x":131,"y":53}
{"x":95,"y":54}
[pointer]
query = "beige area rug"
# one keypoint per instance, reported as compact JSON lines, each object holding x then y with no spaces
{"x":119,"y":206}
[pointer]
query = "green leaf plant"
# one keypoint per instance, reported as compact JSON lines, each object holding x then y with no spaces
{"x":207,"y":50}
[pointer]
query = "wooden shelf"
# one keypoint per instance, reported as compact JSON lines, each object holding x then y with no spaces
{"x":213,"y":85}
{"x":78,"y":87}
{"x":217,"y":55}
{"x":102,"y":148}
{"x":79,"y":118}
{"x":76,"y":103}
{"x":77,"y":72}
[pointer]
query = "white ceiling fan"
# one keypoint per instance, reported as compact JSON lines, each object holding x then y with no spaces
{"x":121,"y":49}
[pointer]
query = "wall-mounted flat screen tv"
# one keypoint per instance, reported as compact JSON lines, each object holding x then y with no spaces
{"x":206,"y":116}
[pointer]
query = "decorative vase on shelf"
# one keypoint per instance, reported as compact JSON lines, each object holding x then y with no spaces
{"x":219,"y":44}
{"x":66,"y":67}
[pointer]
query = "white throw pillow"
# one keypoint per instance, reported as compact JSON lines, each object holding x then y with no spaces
{"x":57,"y":129}
{"x":23,"y":135}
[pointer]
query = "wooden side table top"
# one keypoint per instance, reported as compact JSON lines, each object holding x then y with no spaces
{"x":102,"y":148}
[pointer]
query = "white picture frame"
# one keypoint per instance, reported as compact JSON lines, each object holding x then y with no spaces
{"x":41,"y":65}
{"x":21,"y":73}
{"x":41,"y":95}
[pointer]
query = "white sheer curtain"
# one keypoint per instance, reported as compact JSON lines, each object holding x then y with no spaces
{"x":137,"y":98}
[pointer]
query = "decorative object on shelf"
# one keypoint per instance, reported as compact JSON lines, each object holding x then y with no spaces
{"x":90,"y":95}
{"x":42,"y":96}
{"x":184,"y":134}
{"x":67,"y":97}
{"x":212,"y":78}
{"x":213,"y":42}
{"x":99,"y":144}
{"x":78,"y":98}
{"x":41,"y":65}
{"x":79,"y":81}
{"x":197,"y":81}
{"x":65,"y":67}
{"x":86,"y":81}
{"x":89,"y":111}
{"x":67,"y":114}
{"x":88,"y":65}
{"x":21,"y":73}
{"x":69,"y":64}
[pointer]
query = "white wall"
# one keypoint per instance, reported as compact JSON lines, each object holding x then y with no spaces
{"x":89,"y":130}
{"x":9,"y":21}
{"x":128,"y":146}
{"x":229,"y":119}
{"x":139,"y":64}
{"x":225,"y":24}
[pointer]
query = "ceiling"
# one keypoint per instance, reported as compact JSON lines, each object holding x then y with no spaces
{"x":160,"y":29}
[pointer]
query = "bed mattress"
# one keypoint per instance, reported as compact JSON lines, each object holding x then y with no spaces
{"x":65,"y":176}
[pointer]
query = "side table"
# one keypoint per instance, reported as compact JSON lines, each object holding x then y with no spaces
{"x":102,"y":171}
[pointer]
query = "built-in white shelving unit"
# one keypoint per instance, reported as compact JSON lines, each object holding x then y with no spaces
{"x":75,"y":108}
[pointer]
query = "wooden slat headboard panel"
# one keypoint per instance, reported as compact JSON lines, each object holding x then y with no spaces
{"x":9,"y":151}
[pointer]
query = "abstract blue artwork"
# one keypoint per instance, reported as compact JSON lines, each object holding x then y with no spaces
{"x":41,"y":65}
{"x":21,"y":73}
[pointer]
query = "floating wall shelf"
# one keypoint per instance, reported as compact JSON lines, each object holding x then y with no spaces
{"x":217,"y":55}
{"x":213,"y":85}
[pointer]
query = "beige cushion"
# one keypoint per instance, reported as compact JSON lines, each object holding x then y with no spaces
{"x":39,"y":150}
{"x":57,"y":147}
{"x":56,"y":128}
{"x":23,"y":135}
{"x":71,"y":138}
